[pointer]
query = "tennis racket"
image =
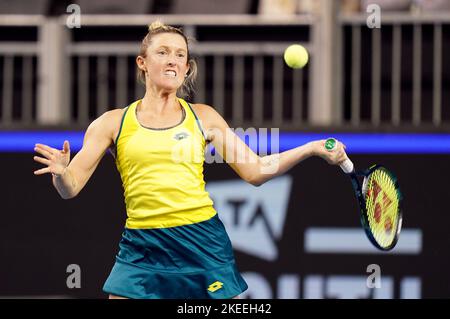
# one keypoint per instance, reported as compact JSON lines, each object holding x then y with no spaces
{"x":379,"y":200}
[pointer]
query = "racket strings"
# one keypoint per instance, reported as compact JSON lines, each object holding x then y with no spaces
{"x":382,"y":206}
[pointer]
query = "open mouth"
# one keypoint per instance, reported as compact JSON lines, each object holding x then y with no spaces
{"x":170,"y":73}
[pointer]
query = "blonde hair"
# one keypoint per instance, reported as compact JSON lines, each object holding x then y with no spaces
{"x":158,"y":27}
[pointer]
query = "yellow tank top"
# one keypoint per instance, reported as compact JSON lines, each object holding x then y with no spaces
{"x":162,"y":172}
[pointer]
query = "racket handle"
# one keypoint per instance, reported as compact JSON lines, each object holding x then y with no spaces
{"x":347,"y":165}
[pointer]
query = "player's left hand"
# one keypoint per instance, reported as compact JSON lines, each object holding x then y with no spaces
{"x":335,"y":157}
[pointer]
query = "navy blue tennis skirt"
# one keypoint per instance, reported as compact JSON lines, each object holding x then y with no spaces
{"x":183,"y":262}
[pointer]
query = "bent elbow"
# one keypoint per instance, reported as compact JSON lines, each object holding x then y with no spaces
{"x":257,"y":184}
{"x":67,"y":195}
{"x":255,"y":181}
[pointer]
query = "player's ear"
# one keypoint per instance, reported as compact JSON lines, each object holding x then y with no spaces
{"x":188,"y":70}
{"x":140,"y":61}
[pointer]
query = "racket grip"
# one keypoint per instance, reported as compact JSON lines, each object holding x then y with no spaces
{"x":347,"y":166}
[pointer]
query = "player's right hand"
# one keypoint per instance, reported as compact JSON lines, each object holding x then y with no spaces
{"x":55,"y":160}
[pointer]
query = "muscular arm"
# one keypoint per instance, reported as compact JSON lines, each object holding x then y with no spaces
{"x":251,"y":167}
{"x":98,"y":137}
{"x":69,"y":180}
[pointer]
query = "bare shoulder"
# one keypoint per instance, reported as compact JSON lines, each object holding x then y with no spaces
{"x":108,"y":123}
{"x":115,"y":114}
{"x":203,"y":109}
{"x":209,"y":117}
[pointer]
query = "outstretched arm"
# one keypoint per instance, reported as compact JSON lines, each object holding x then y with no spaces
{"x":250,"y":166}
{"x":69,"y":177}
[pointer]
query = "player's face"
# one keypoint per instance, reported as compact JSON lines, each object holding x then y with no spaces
{"x":166,"y":61}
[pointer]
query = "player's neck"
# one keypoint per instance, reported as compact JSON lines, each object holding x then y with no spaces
{"x":158,"y":102}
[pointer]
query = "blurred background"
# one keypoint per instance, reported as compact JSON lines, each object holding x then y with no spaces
{"x":384,"y":90}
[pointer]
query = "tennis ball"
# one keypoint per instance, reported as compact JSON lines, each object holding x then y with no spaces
{"x":296,"y":56}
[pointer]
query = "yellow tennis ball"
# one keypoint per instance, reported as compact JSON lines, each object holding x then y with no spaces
{"x":296,"y":56}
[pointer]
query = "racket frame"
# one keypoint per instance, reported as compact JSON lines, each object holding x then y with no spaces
{"x":362,"y":204}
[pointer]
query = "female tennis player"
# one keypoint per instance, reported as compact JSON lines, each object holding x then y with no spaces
{"x":174,"y":245}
